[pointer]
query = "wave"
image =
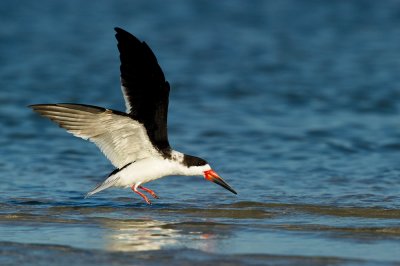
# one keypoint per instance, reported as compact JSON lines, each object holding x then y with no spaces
{"x":43,"y":254}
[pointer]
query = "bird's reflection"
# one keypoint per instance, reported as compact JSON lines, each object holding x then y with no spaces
{"x":139,"y":235}
{"x":145,"y":235}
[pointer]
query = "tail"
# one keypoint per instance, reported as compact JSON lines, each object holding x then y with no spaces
{"x":109,"y":182}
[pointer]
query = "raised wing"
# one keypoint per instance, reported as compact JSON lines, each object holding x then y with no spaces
{"x":144,"y":87}
{"x":118,"y":136}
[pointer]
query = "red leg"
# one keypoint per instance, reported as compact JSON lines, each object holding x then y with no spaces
{"x":141,"y":194}
{"x":152,"y":193}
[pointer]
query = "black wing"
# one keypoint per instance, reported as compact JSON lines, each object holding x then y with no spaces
{"x":144,"y":87}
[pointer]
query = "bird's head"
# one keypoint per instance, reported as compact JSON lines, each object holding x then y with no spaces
{"x":198,"y":166}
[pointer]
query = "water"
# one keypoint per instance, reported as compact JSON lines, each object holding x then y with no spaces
{"x":295,"y":103}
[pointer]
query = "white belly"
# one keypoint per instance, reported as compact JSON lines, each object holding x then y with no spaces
{"x":144,"y":171}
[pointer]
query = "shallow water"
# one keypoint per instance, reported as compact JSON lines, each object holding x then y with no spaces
{"x":295,"y":103}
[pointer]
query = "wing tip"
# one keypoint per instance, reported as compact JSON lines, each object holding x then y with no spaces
{"x":38,"y":105}
{"x":122,"y":34}
{"x":119,"y":30}
{"x":74,"y":107}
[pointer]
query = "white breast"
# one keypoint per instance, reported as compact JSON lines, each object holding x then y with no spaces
{"x":147,"y":170}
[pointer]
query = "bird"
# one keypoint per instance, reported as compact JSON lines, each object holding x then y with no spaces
{"x":135,"y":141}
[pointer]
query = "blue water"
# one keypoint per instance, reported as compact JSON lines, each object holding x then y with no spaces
{"x":295,"y":103}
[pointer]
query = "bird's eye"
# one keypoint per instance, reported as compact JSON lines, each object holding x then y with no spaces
{"x":201,"y":163}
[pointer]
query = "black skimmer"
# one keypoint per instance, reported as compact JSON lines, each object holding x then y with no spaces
{"x":136,"y":142}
